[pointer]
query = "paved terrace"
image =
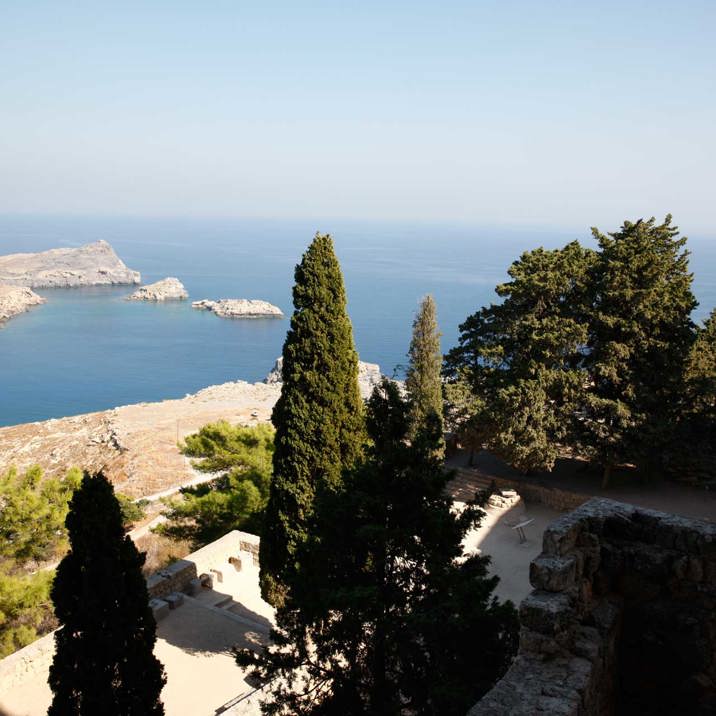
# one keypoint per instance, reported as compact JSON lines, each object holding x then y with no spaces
{"x":194,"y":643}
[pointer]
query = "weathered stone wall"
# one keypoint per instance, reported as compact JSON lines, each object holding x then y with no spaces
{"x":622,"y":619}
{"x":26,"y":663}
{"x":211,"y":558}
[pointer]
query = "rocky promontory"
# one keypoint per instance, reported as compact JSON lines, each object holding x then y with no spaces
{"x":168,"y":289}
{"x":369,"y":376}
{"x":239,"y":308}
{"x":16,"y":299}
{"x":94,"y":264}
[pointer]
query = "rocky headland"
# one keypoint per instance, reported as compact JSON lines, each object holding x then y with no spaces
{"x":168,"y":289}
{"x":15,"y":300}
{"x":94,"y":264}
{"x":136,"y":445}
{"x":369,"y":376}
{"x":239,"y":308}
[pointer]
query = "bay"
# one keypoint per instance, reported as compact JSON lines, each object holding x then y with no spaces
{"x":88,"y":349}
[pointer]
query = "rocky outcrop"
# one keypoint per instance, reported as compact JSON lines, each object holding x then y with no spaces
{"x":94,"y":264}
{"x":369,"y":376}
{"x":239,"y":308}
{"x":168,"y":289}
{"x":15,"y":300}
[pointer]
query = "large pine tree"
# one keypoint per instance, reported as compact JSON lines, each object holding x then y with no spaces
{"x":319,"y":416}
{"x":104,"y":661}
{"x":522,"y":358}
{"x":387,"y":617}
{"x":423,"y":381}
{"x":640,"y":338}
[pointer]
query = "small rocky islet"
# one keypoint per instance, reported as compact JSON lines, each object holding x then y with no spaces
{"x":168,"y":289}
{"x":97,"y":264}
{"x":239,"y":308}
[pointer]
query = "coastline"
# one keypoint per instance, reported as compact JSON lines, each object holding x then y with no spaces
{"x":135,"y":445}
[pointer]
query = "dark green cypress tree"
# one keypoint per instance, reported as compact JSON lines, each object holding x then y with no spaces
{"x":641,"y":335}
{"x":423,"y":381}
{"x":319,"y":416}
{"x":104,"y":661}
{"x":387,"y":617}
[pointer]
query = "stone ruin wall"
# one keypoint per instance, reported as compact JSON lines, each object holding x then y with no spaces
{"x":622,"y":619}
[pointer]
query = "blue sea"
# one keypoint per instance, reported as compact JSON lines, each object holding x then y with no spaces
{"x":88,"y":349}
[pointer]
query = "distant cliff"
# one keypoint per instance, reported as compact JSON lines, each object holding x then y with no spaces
{"x":94,"y":264}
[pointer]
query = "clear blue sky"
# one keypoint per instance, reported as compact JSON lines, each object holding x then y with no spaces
{"x":562,"y":114}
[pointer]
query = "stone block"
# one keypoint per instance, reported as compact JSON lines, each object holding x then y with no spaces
{"x":546,"y":612}
{"x":553,"y":574}
{"x":160,"y":608}
{"x":174,"y":600}
{"x":194,"y":587}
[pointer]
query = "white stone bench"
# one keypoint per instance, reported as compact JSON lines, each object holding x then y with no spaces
{"x":521,"y":529}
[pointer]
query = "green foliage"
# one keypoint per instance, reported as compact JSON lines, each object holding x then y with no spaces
{"x":385,"y":616}
{"x":691,"y":452}
{"x":32,"y":514}
{"x":640,"y":336}
{"x":318,"y":417}
{"x":234,"y":500}
{"x":423,"y":381}
{"x":132,"y":511}
{"x":25,"y":607}
{"x":104,"y":661}
{"x":521,"y":359}
{"x":587,"y":353}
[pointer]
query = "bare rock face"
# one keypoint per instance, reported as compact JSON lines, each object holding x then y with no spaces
{"x":94,"y":264}
{"x":369,"y":376}
{"x":16,"y":299}
{"x":239,"y":308}
{"x":168,"y":289}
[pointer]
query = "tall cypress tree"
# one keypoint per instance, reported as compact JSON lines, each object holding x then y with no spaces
{"x":423,"y":381}
{"x":641,"y":334}
{"x":388,"y":616}
{"x":319,"y":416}
{"x":104,"y":661}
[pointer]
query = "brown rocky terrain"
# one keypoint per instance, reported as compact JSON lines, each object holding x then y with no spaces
{"x":94,"y":264}
{"x":15,"y":300}
{"x":136,"y":445}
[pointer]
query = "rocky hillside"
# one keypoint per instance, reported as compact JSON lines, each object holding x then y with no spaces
{"x":94,"y":264}
{"x":15,"y":300}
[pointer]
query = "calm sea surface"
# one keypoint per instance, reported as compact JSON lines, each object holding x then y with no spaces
{"x":88,"y":349}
